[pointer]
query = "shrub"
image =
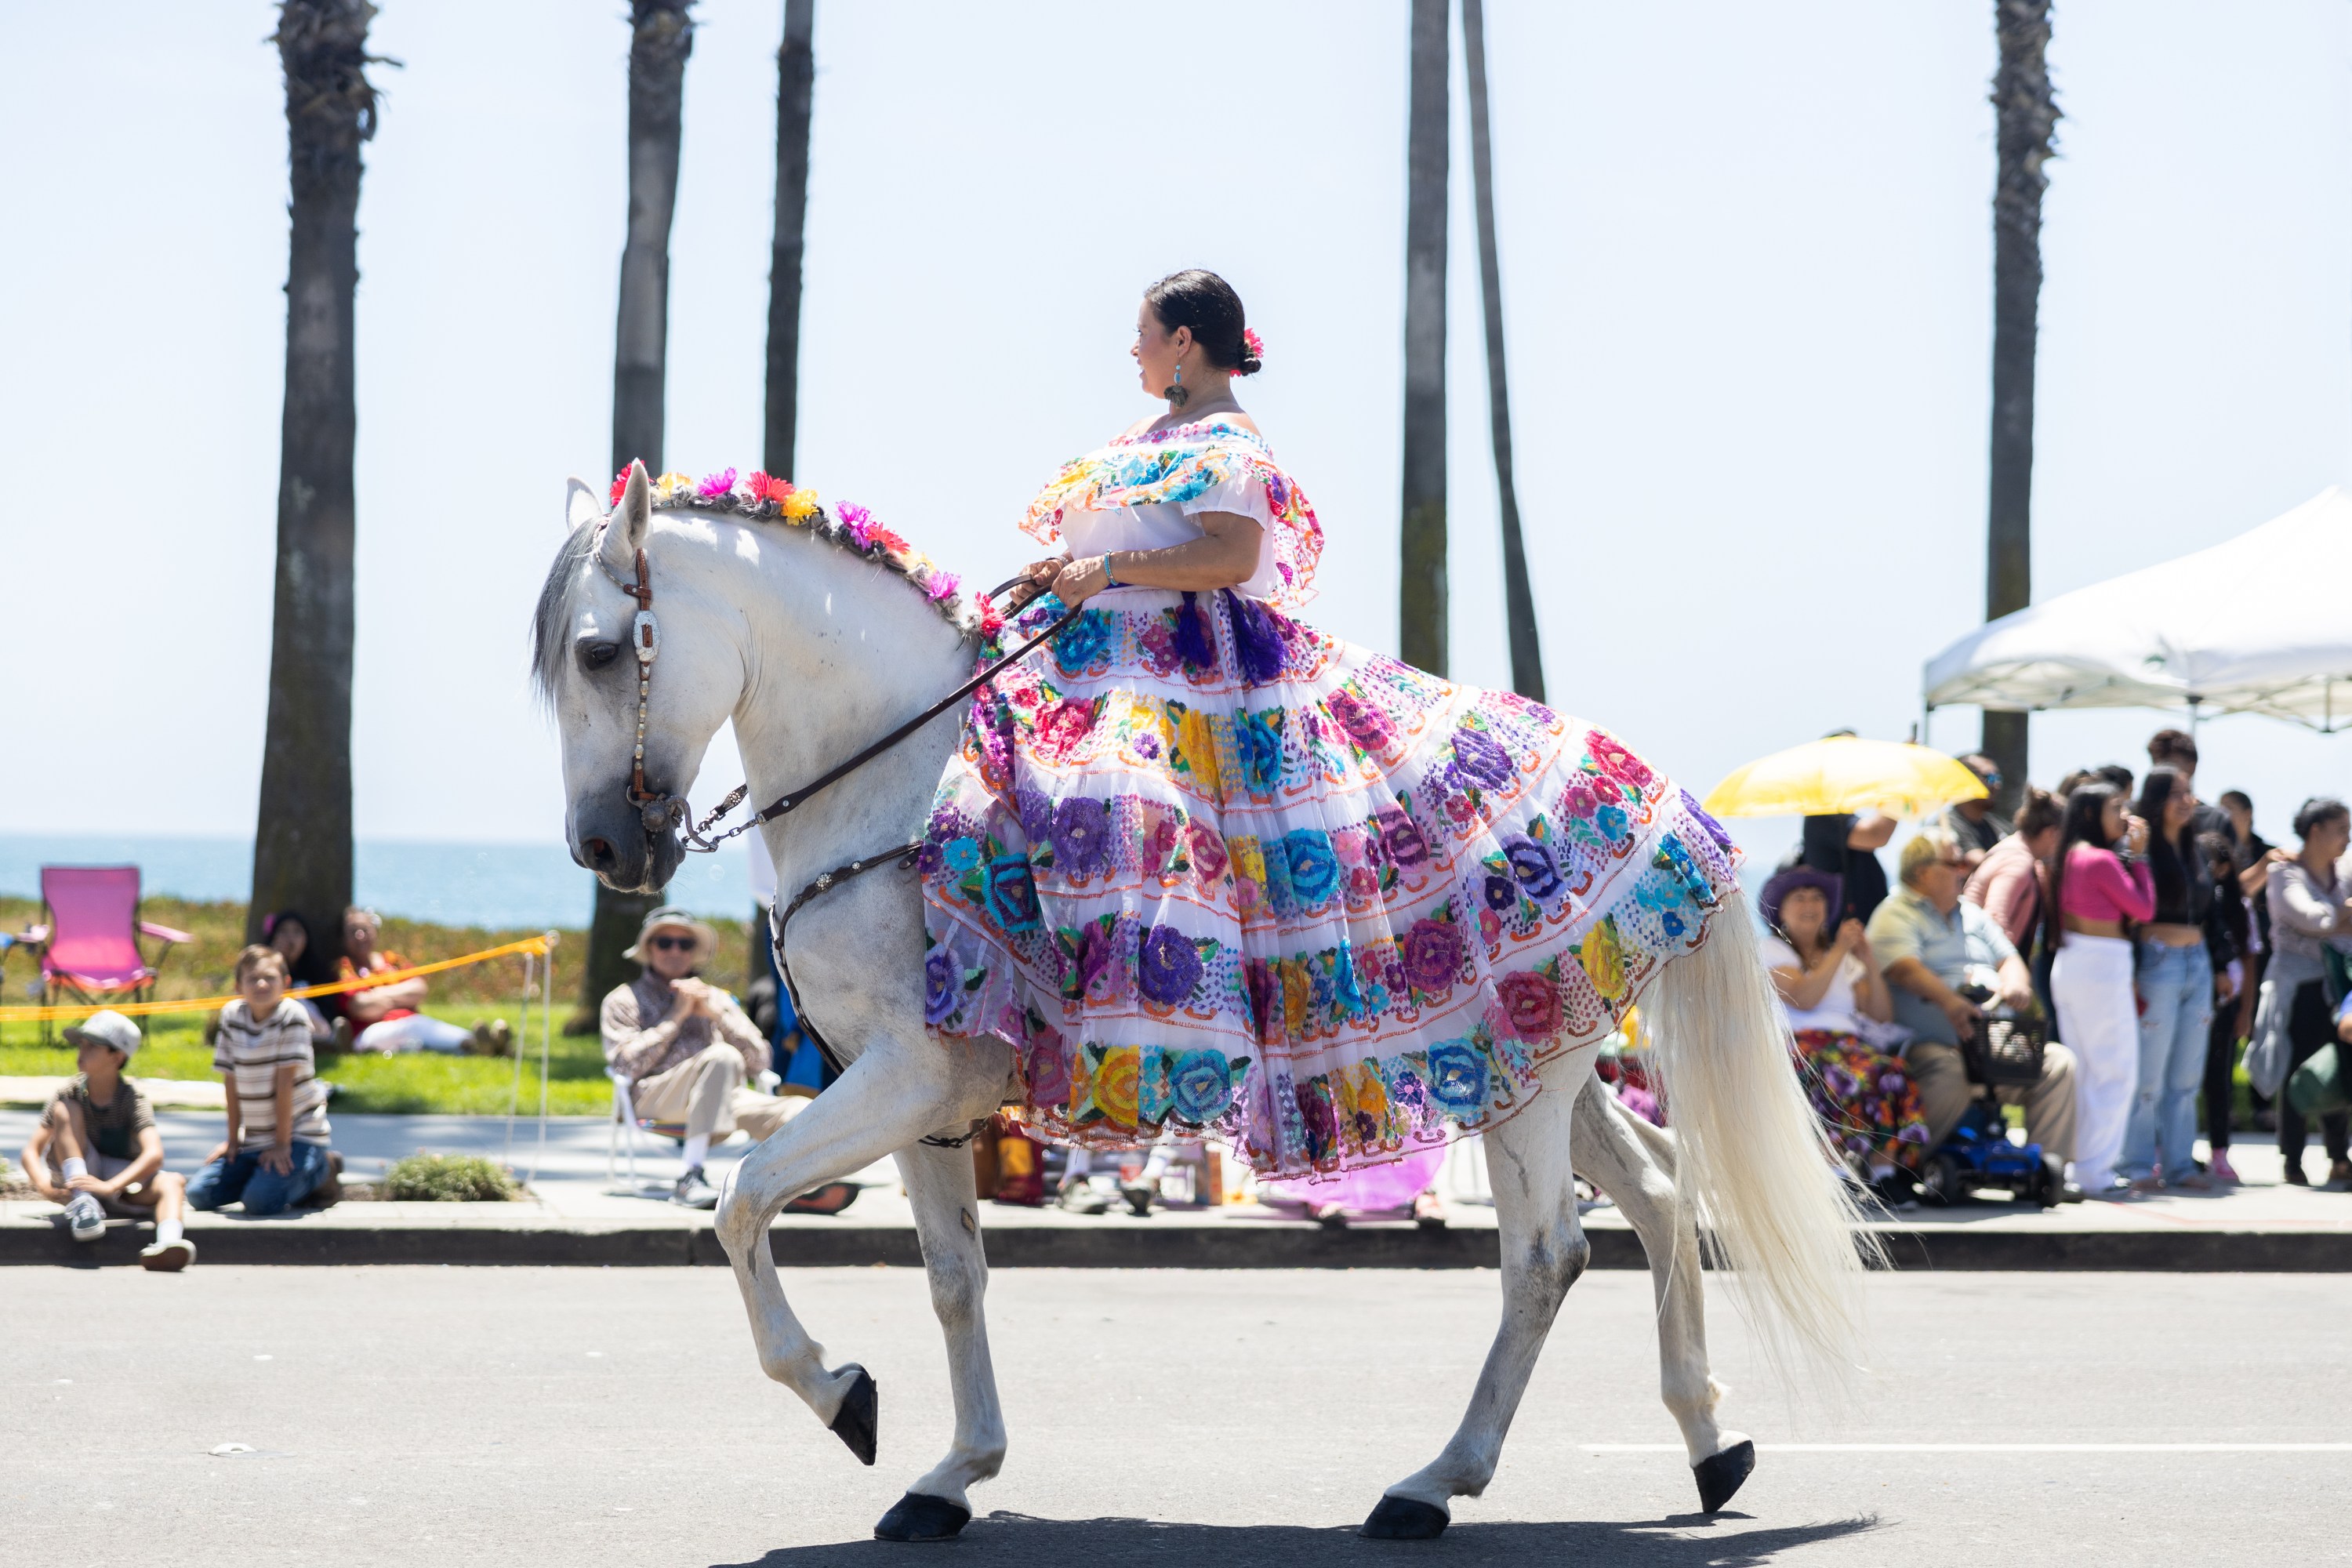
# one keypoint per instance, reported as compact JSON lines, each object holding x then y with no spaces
{"x":448,"y":1179}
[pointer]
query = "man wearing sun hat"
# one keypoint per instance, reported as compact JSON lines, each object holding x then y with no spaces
{"x":96,"y":1149}
{"x":686,"y":1049}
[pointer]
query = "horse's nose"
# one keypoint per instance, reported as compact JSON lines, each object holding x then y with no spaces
{"x":600,"y":854}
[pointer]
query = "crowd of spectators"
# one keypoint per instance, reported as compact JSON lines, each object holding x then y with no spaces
{"x":2148,"y":933}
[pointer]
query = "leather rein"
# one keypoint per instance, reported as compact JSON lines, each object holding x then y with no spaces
{"x":662,"y":812}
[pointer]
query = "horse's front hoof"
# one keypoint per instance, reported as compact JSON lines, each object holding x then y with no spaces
{"x":1720,"y":1475}
{"x":919,"y":1518}
{"x":858,"y":1422}
{"x":1405,"y":1519}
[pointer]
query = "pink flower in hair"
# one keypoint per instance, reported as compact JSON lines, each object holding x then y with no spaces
{"x":1253,"y":342}
{"x":717,"y":484}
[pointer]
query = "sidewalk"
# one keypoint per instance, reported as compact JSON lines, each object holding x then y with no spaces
{"x":575,"y":1214}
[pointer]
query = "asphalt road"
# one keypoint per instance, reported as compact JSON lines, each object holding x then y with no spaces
{"x":591,"y":1416}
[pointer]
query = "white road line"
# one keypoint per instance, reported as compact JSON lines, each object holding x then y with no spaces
{"x":1995,"y":1448}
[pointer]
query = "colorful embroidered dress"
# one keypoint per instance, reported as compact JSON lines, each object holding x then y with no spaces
{"x":1204,"y":865}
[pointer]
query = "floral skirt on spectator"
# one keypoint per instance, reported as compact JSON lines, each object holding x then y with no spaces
{"x":1864,"y":1098}
{"x":1202,"y":864}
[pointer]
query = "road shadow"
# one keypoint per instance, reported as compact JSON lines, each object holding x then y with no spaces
{"x":1687,"y":1540}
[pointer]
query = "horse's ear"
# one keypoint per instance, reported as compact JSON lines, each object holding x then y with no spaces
{"x":625,"y":535}
{"x":579,"y":506}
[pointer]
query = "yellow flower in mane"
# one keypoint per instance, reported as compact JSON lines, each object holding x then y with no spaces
{"x":671,"y":484}
{"x":800,"y":506}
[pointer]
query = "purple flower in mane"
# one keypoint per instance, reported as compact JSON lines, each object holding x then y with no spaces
{"x":855,"y":521}
{"x":941,"y":586}
{"x":717,"y":484}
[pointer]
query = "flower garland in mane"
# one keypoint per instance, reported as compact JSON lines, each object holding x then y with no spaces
{"x":848,"y":526}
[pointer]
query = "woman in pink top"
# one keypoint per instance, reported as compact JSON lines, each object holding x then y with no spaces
{"x":2093,"y":891}
{"x":2008,"y":882}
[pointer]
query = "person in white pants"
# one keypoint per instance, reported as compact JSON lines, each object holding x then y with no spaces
{"x":2094,"y":890}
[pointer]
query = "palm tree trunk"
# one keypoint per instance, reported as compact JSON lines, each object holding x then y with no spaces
{"x":2025,"y":116}
{"x":1421,"y":601}
{"x":796,"y":92}
{"x":663,"y":38}
{"x":1518,"y":595}
{"x":302,"y":832}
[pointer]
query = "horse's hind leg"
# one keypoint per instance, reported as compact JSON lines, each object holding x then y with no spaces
{"x":1633,"y":1164}
{"x":1544,"y":1250}
{"x":947,"y":1223}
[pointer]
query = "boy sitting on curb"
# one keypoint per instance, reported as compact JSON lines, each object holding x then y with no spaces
{"x":96,"y":1149}
{"x":275,"y":1153}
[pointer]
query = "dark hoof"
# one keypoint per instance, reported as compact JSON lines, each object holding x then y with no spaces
{"x":858,"y":1421}
{"x":1404,"y":1518}
{"x":1720,"y":1475}
{"x":919,"y":1518}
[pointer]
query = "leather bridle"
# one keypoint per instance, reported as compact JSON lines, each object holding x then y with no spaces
{"x":662,"y":812}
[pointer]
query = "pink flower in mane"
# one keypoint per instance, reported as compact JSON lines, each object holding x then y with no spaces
{"x":855,"y":521}
{"x":889,"y":539}
{"x":717,"y":484}
{"x":620,"y":486}
{"x":941,"y":586}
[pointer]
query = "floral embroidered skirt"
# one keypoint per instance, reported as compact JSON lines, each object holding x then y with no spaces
{"x":1204,"y":866}
{"x":1865,"y":1100}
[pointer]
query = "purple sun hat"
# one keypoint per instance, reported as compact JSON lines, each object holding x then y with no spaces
{"x":1783,"y":883}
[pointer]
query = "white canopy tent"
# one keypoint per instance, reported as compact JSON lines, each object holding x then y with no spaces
{"x":2261,"y":624}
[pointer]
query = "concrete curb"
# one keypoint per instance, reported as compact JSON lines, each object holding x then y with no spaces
{"x":821,"y":1245}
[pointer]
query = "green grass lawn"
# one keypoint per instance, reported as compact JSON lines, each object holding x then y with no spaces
{"x":414,"y":1083}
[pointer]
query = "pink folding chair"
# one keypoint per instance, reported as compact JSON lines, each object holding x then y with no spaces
{"x":91,"y":952}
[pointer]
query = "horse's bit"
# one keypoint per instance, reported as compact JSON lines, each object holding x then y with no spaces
{"x":662,"y":812}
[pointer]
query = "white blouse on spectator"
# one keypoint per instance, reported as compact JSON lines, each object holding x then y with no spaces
{"x":1835,"y":1010}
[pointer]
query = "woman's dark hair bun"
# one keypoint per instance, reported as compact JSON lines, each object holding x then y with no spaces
{"x":2319,"y":808}
{"x":1199,"y":299}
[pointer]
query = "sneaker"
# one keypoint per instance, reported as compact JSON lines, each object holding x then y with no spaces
{"x":1080,"y":1198}
{"x":85,"y":1217}
{"x":2294,"y":1176}
{"x":330,"y":1190}
{"x":1139,"y":1196}
{"x":693,"y":1192}
{"x":493,"y":1039}
{"x":2220,"y":1168}
{"x":168,"y":1257}
{"x":2340,"y":1177}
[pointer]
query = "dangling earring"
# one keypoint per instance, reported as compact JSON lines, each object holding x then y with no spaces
{"x":1176,"y":394}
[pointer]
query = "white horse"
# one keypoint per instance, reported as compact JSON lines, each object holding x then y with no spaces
{"x":813,"y":650}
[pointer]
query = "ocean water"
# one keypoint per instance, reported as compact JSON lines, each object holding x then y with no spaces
{"x":450,"y":884}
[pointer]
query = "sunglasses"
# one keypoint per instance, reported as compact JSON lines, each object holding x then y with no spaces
{"x":672,"y":943}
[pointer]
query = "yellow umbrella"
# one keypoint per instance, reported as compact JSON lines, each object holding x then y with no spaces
{"x":1845,"y":773}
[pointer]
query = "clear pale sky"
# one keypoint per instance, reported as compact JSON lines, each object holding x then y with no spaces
{"x":1745,"y":269}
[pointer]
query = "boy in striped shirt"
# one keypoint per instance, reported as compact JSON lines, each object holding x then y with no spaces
{"x":275,"y":1154}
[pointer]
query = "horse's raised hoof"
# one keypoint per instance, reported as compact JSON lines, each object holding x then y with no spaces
{"x":1404,"y":1518}
{"x":858,"y":1422}
{"x":1719,"y":1475}
{"x":919,"y":1518}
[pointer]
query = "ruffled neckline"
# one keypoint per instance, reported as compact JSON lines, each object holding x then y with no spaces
{"x":1217,"y":422}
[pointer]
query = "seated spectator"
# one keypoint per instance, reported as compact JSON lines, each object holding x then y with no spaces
{"x":1827,"y":986}
{"x":1930,"y":941}
{"x":386,"y":1016}
{"x":290,"y":933}
{"x":275,"y":1153}
{"x":2010,"y":881}
{"x":96,"y":1149}
{"x":686,"y":1050}
{"x":1974,"y":823}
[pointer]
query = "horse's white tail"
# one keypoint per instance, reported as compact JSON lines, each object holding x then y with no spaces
{"x":1753,"y":1157}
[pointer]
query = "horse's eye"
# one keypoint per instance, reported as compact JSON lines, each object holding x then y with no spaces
{"x":597,"y":655}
